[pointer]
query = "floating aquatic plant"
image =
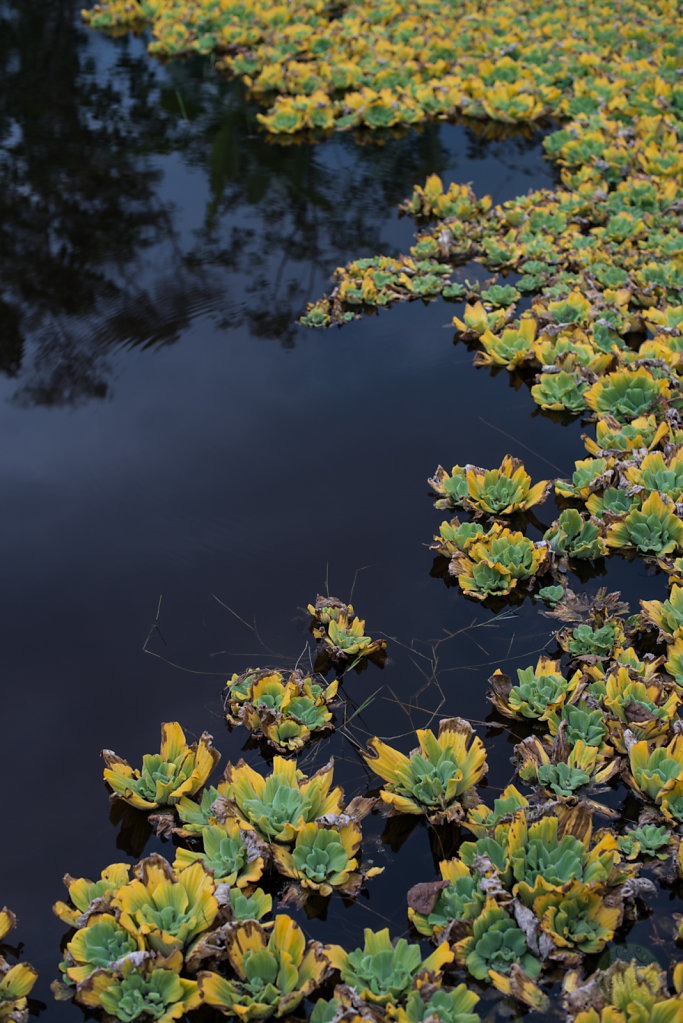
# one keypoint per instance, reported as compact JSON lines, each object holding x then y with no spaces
{"x":274,"y":971}
{"x":627,"y":394}
{"x":541,"y":690}
{"x":16,"y":982}
{"x":653,"y":529}
{"x":231,"y":853}
{"x":324,"y":857}
{"x":277,"y":806}
{"x":90,"y":896}
{"x":577,"y":920}
{"x":165,"y":909}
{"x":436,"y":777}
{"x":503,"y":491}
{"x":341,"y":633}
{"x":458,"y":896}
{"x":287,"y":708}
{"x":495,"y":562}
{"x":623,"y":993}
{"x":177,"y":770}
{"x":574,"y":536}
{"x":382,"y":973}
{"x":496,"y":944}
{"x":449,"y":1005}
{"x":564,"y":774}
{"x":98,"y":945}
{"x":139,"y":992}
{"x":648,"y":840}
{"x":658,"y":775}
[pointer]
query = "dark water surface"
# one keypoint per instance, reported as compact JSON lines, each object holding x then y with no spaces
{"x":169,"y":430}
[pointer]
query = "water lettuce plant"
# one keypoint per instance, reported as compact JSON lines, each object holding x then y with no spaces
{"x":577,"y":919}
{"x":88,"y":896}
{"x":494,"y":492}
{"x":177,"y":770}
{"x":102,"y":942}
{"x":140,"y":992}
{"x":432,"y":908}
{"x":16,"y":982}
{"x":626,"y":992}
{"x":287,"y":708}
{"x":496,"y":944}
{"x":277,"y":806}
{"x":341,"y":633}
{"x":653,"y":529}
{"x":574,"y":536}
{"x":324,"y":857}
{"x":273,"y":971}
{"x":658,"y":775}
{"x":565,"y":769}
{"x":541,"y":690}
{"x":495,"y":562}
{"x":383,"y":973}
{"x":231,"y":853}
{"x":164,"y":909}
{"x":434,"y":778}
{"x":449,"y":1005}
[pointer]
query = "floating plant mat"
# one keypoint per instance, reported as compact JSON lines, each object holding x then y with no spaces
{"x":544,"y":881}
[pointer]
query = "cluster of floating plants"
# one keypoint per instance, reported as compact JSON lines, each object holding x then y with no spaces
{"x":586,"y":308}
{"x":16,"y":982}
{"x":323,"y":67}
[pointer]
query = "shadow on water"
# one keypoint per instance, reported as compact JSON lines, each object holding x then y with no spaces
{"x":153,"y":243}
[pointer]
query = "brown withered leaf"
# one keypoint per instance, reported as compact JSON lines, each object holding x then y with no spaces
{"x":163,"y":824}
{"x":638,"y":714}
{"x":423,"y":897}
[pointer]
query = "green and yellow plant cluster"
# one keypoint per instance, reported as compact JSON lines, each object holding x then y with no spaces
{"x":323,"y":67}
{"x":159,"y":939}
{"x":16,"y":982}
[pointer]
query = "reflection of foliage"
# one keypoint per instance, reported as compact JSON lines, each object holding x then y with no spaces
{"x":67,"y":249}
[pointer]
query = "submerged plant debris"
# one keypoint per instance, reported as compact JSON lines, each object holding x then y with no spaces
{"x":592,"y":320}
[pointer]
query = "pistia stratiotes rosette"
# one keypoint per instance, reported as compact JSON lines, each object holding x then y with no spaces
{"x":437,"y":778}
{"x":88,"y":897}
{"x":666,"y":616}
{"x":541,"y":691}
{"x":98,"y":944}
{"x":141,"y":992}
{"x":448,"y":1005}
{"x":629,"y":699}
{"x":493,"y":563}
{"x":324,"y":857}
{"x":435,"y":907}
{"x":494,"y":492}
{"x":654,"y":530}
{"x":495,"y":946}
{"x":626,"y":992}
{"x":579,"y":920}
{"x":233,"y":854}
{"x":166,"y":909}
{"x":381,"y":972}
{"x":177,"y":770}
{"x":657,"y":774}
{"x":274,"y":971}
{"x":341,"y":634}
{"x":277,"y":806}
{"x":16,"y":982}
{"x":566,"y":769}
{"x":533,"y":857}
{"x":286,"y":708}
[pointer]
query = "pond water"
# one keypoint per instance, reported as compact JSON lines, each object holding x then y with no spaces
{"x":170,"y":432}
